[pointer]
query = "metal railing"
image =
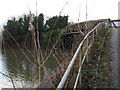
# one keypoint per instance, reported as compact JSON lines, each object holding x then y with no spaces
{"x":79,"y":50}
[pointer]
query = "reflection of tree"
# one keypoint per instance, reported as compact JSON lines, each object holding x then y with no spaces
{"x":18,"y":65}
{"x":20,"y":68}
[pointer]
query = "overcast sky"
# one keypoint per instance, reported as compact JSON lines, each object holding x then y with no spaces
{"x":97,"y":9}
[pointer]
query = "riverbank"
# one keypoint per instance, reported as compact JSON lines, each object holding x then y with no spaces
{"x":96,"y":74}
{"x":92,"y":76}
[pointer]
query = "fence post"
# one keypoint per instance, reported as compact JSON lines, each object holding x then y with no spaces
{"x":96,"y":31}
{"x":80,"y":79}
{"x":87,"y":48}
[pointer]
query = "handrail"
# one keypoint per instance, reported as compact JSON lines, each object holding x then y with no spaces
{"x":67,"y":72}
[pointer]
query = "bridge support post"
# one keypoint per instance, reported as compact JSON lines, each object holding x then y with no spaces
{"x":80,"y":79}
{"x":87,"y":48}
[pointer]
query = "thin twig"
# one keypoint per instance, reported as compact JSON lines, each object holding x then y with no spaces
{"x":54,"y":27}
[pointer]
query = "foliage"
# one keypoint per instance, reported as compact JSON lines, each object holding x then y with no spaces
{"x":40,"y":23}
{"x":68,"y":41}
{"x":94,"y":76}
{"x":16,"y":27}
{"x":56,"y":22}
{"x":19,"y":27}
{"x":54,"y":36}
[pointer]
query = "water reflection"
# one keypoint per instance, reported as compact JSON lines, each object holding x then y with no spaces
{"x":21,"y":69}
{"x":4,"y":81}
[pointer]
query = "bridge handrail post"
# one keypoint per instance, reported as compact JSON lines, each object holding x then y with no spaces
{"x":80,"y":79}
{"x":87,"y":47}
{"x":96,"y":31}
{"x":79,"y":75}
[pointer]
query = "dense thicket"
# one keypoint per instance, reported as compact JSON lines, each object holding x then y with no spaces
{"x":56,"y":22}
{"x":18,"y":27}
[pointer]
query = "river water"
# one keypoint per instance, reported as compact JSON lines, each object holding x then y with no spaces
{"x":14,"y":64}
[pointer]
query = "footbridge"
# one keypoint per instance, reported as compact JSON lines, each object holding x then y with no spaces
{"x":84,"y":27}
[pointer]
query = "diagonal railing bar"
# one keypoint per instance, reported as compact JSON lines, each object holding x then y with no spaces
{"x":67,"y":72}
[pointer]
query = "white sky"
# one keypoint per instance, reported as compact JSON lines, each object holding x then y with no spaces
{"x":97,"y":9}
